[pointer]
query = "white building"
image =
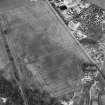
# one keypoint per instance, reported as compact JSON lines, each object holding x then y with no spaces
{"x":73,"y":26}
{"x":81,"y":35}
{"x":67,"y":103}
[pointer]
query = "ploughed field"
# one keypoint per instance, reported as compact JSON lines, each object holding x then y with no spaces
{"x":44,"y":51}
{"x":10,"y":4}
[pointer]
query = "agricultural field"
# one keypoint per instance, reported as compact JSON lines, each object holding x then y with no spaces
{"x":44,"y":49}
{"x":40,"y":43}
{"x":100,"y":3}
{"x":11,"y":4}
